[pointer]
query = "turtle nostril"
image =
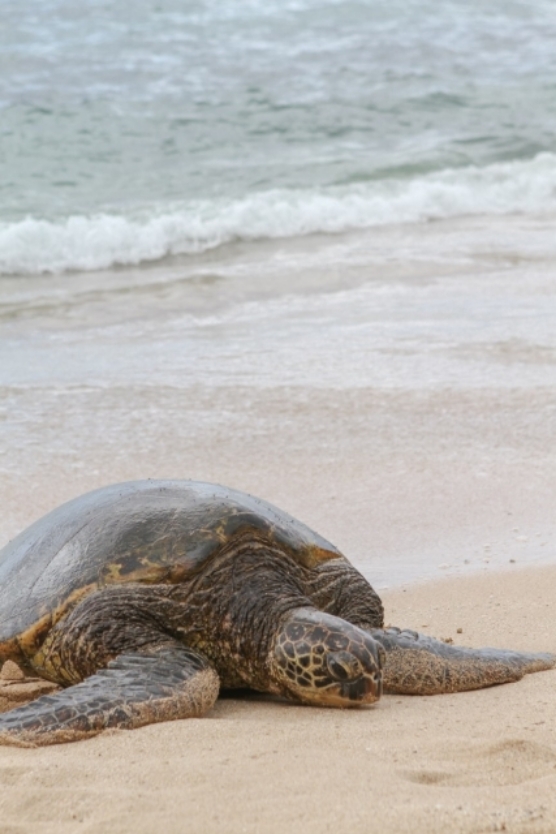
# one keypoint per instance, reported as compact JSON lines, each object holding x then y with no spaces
{"x":343,"y":665}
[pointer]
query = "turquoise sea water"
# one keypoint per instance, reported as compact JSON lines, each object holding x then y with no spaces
{"x":128,"y":133}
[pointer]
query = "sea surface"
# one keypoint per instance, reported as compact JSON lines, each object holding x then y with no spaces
{"x":328,"y":196}
{"x":128,"y":134}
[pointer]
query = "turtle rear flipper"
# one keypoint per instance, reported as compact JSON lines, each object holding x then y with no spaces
{"x":137,"y":688}
{"x":416,"y":664}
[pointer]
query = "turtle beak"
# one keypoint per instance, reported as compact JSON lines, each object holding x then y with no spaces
{"x":364,"y":690}
{"x":358,"y":682}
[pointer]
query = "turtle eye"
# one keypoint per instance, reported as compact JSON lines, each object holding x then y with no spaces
{"x":343,"y":665}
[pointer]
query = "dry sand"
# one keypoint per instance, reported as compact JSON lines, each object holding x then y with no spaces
{"x":405,"y":483}
{"x":471,"y":762}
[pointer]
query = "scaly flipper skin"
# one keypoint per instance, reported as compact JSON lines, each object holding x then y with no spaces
{"x":415,"y":664}
{"x":135,"y":689}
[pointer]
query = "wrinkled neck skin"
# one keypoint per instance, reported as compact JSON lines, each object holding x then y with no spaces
{"x":237,"y":607}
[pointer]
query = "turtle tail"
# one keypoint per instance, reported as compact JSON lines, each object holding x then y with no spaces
{"x":416,"y":664}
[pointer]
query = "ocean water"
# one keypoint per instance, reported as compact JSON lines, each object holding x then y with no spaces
{"x":204,"y":198}
{"x":128,"y":135}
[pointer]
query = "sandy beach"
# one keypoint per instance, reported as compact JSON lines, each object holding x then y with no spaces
{"x":454,"y":490}
{"x":474,"y":762}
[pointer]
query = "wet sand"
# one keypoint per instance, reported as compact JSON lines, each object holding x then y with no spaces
{"x":409,"y":484}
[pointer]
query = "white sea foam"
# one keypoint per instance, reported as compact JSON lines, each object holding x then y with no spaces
{"x":96,"y":242}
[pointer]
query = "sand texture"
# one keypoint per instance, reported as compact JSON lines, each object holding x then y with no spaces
{"x":16,"y":689}
{"x":472,"y":762}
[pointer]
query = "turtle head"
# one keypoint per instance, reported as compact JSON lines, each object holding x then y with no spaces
{"x":323,"y":660}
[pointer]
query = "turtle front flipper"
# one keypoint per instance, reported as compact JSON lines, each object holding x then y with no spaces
{"x":416,"y":664}
{"x":136,"y":688}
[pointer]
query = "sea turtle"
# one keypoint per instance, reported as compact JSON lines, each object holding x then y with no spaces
{"x":143,"y":599}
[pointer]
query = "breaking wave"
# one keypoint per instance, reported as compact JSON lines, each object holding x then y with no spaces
{"x":100,"y":241}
